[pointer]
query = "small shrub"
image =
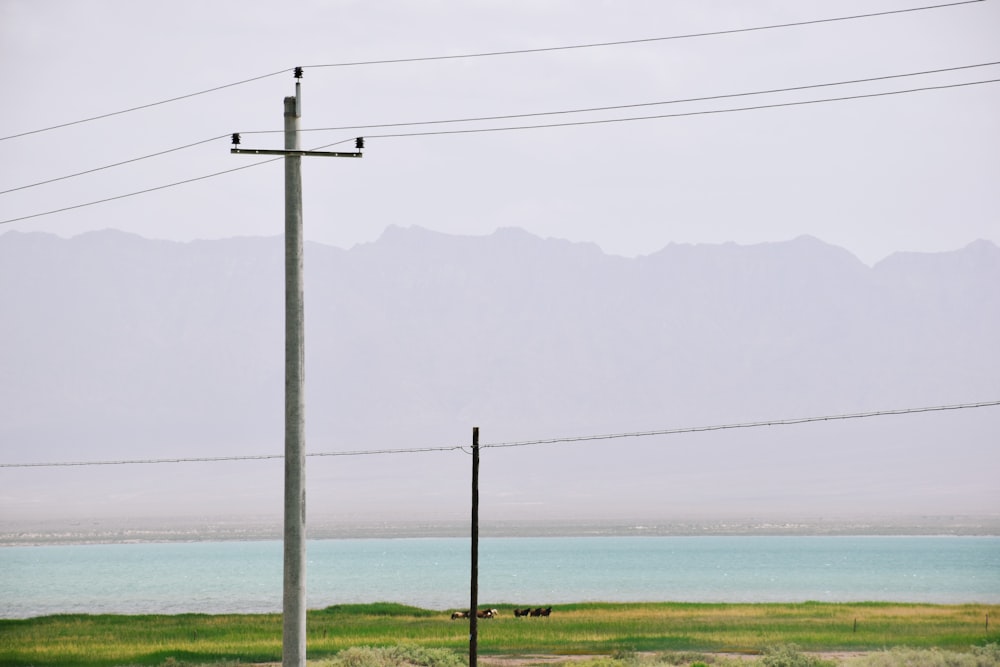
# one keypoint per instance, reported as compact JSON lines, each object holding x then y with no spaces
{"x":789,"y":655}
{"x":987,"y":656}
{"x":625,"y":657}
{"x":604,"y":661}
{"x":979,"y":656}
{"x":685,"y":658}
{"x":395,"y":656}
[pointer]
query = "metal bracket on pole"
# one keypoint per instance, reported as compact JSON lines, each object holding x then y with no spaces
{"x":261,"y":151}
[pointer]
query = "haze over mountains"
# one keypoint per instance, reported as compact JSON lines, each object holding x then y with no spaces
{"x":115,"y":347}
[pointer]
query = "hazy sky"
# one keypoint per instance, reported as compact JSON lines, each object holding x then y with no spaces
{"x":916,"y":171}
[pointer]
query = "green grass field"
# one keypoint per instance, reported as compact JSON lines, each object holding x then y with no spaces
{"x":602,"y":629}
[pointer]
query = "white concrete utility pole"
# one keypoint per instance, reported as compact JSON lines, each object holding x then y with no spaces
{"x":294,"y":596}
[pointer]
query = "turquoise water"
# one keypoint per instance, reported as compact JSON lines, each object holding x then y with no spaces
{"x":219,"y":577}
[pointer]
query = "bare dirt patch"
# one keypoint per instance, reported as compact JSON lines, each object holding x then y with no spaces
{"x":546,"y":660}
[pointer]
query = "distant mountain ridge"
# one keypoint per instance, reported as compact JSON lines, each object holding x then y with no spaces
{"x":114,"y":346}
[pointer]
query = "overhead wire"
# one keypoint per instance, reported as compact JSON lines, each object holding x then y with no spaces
{"x":145,"y":106}
{"x":515,"y":116}
{"x":218,"y":459}
{"x":679,"y":115}
{"x":140,"y":192}
{"x":523,"y":443}
{"x":747,"y":425}
{"x":493,"y":54}
{"x":167,"y":185}
{"x":517,"y":128}
{"x":713,"y":33}
{"x":617,"y":107}
{"x":115,"y":164}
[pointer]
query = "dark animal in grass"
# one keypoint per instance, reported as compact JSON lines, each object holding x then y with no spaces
{"x":522,"y":612}
{"x":459,"y":614}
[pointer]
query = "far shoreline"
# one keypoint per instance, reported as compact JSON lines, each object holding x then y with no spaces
{"x":24,"y":532}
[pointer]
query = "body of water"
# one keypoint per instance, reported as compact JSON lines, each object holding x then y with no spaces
{"x":433,"y":573}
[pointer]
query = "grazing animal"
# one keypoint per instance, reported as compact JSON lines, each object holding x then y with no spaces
{"x":546,"y":611}
{"x":536,"y":612}
{"x":485,"y":613}
{"x":521,"y":612}
{"x":459,"y":614}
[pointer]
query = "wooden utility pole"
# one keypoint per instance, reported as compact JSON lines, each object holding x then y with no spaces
{"x":294,"y":586}
{"x":474,"y":584}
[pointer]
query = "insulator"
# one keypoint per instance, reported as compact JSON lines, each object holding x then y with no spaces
{"x":236,"y":138}
{"x":359,"y":143}
{"x":298,"y":72}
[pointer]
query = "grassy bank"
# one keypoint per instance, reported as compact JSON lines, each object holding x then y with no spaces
{"x":571,"y":629}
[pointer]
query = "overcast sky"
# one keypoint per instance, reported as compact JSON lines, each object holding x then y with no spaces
{"x":916,"y":171}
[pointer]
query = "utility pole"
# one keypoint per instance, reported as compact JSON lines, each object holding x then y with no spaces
{"x":294,"y":586}
{"x":474,"y":583}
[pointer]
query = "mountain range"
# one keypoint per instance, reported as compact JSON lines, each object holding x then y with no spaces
{"x":115,"y":347}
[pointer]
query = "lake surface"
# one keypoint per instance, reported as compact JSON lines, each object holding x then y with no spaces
{"x":433,"y":573}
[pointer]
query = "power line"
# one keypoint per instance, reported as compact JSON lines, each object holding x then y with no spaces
{"x":520,"y":128}
{"x":714,"y":33}
{"x":680,"y":115}
{"x":162,"y":187}
{"x":145,"y":106}
{"x":520,"y":115}
{"x":524,"y":443}
{"x":116,"y":164}
{"x":140,"y":192}
{"x":495,"y":54}
{"x":640,"y":104}
{"x":745,"y":425}
{"x":218,"y":459}
{"x":514,"y":116}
